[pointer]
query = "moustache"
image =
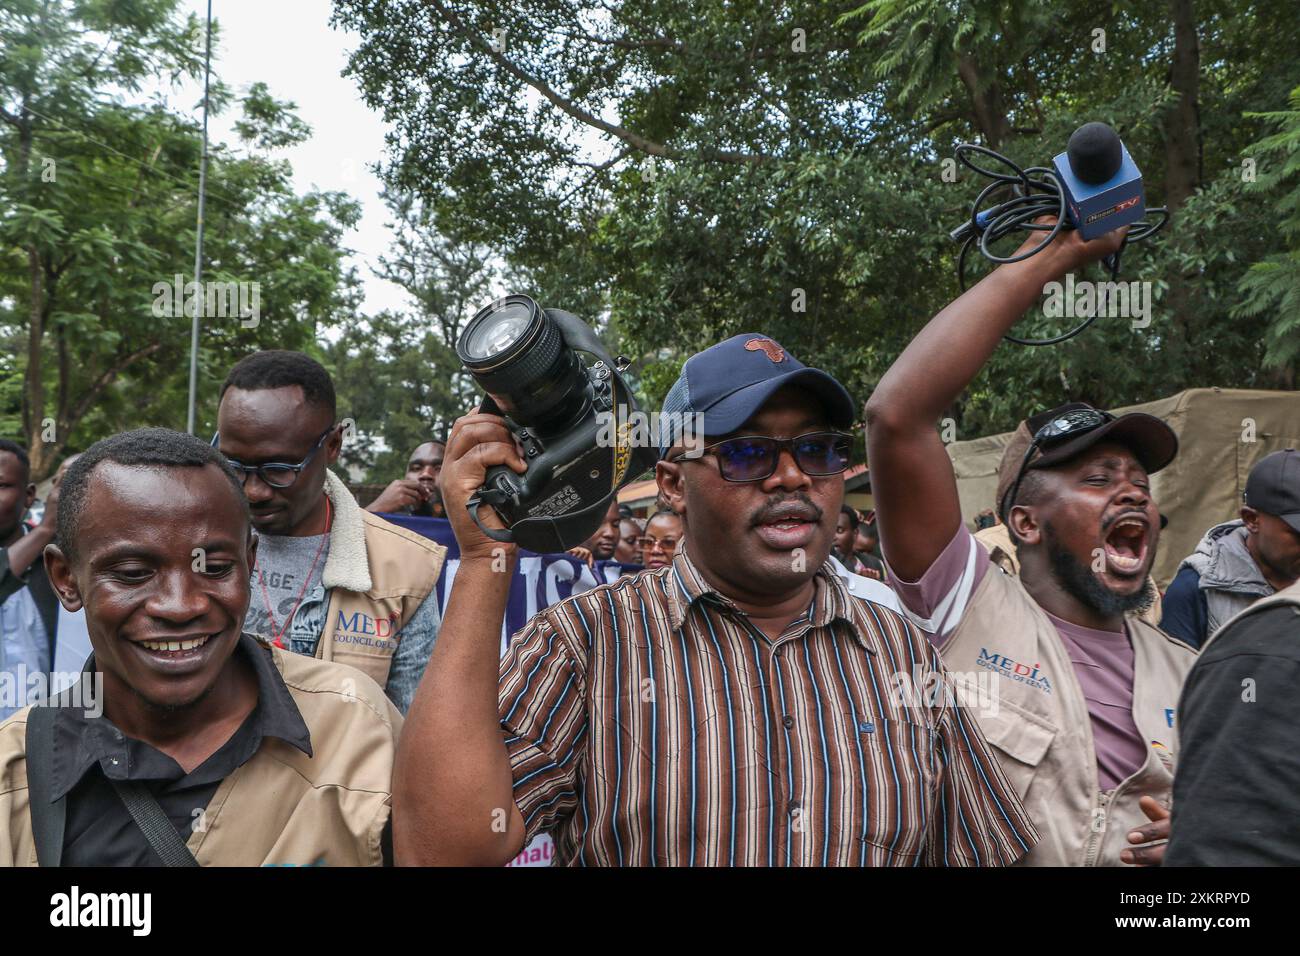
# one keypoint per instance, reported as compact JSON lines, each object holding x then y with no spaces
{"x":798,"y":506}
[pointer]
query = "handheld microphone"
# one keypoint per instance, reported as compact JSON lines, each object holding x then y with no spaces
{"x":1094,"y":187}
{"x":1103,"y":186}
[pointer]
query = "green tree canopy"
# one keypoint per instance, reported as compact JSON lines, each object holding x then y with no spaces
{"x":694,"y":170}
{"x":98,"y":201}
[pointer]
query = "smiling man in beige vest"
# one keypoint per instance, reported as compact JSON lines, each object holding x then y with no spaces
{"x":1075,"y":693}
{"x":186,"y":741}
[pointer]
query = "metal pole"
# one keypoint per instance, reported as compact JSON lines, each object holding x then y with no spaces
{"x":198,"y":240}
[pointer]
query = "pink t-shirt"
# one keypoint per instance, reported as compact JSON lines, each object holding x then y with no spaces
{"x":1103,"y":660}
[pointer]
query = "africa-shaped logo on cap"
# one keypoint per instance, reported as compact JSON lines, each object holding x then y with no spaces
{"x":768,"y":348}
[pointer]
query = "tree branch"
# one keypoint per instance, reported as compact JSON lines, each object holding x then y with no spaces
{"x":65,"y":372}
{"x":567,"y":106}
{"x":941,"y":119}
{"x":598,"y":167}
{"x":655,"y":43}
{"x":986,"y":101}
{"x":102,"y":381}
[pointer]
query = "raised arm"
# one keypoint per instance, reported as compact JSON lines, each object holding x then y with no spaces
{"x":453,"y":800}
{"x":29,"y":549}
{"x":912,"y":479}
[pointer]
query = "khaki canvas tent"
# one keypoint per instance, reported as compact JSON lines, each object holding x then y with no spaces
{"x":1221,"y":434}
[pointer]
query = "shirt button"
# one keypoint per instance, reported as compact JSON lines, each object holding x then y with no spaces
{"x":788,"y":721}
{"x":794,"y":807}
{"x":777,"y":652}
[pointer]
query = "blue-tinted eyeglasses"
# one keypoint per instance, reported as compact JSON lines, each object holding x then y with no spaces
{"x":754,"y":457}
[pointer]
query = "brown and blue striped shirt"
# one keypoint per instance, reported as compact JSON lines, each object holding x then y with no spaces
{"x":649,"y":722}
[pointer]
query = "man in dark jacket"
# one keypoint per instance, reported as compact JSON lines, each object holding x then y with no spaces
{"x":1239,"y":562}
{"x":1239,"y":771}
{"x":29,"y":609}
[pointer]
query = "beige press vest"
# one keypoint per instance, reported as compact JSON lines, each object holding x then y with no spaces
{"x":377,"y":575}
{"x":1032,"y":710}
{"x":281,"y":807}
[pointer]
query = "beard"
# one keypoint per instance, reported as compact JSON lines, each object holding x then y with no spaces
{"x":1077,"y":578}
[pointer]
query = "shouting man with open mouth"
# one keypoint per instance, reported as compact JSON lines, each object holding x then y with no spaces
{"x":1085,"y":689}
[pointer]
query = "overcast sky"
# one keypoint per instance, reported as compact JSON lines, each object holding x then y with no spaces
{"x":288,"y":44}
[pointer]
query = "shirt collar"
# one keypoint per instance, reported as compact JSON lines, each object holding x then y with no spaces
{"x":831,"y":600}
{"x":82,"y":742}
{"x":280,"y":716}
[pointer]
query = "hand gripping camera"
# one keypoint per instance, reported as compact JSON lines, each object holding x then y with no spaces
{"x":530,"y":363}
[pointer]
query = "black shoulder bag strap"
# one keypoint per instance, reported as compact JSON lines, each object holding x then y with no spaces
{"x":48,"y":817}
{"x":154,"y":824}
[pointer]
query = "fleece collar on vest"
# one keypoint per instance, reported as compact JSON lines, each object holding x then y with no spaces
{"x":1224,"y":563}
{"x":348,"y":563}
{"x":1288,"y":595}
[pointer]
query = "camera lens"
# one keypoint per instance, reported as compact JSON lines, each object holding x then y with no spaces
{"x":500,"y":329}
{"x":517,"y":355}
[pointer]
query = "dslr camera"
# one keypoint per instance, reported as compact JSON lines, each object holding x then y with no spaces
{"x":546,"y":372}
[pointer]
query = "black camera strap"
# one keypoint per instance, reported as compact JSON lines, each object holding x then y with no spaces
{"x":48,"y":817}
{"x":476,"y":501}
{"x":154,"y":823}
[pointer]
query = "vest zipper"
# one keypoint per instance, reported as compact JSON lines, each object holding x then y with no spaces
{"x":1097,"y":827}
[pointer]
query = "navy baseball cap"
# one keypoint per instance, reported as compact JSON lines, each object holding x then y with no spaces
{"x":728,"y":382}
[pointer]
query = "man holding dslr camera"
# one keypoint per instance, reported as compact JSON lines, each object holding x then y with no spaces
{"x":731,"y":708}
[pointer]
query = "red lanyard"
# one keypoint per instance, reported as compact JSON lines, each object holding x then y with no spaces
{"x":266,"y":598}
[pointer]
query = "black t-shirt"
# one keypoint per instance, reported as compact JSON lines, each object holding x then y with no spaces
{"x":90,"y":751}
{"x":1238,"y":774}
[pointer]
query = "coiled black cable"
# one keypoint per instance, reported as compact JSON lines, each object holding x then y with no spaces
{"x":1036,"y":191}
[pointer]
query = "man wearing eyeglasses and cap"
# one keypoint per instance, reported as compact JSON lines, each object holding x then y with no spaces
{"x":738,"y":706}
{"x":331,"y":581}
{"x":1086,"y":690}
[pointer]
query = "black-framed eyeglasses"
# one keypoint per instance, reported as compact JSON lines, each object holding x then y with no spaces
{"x":1061,"y":428}
{"x":277,"y":474}
{"x":754,"y":457}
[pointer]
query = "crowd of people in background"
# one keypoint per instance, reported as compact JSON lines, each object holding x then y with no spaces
{"x":769,"y":676}
{"x":647,"y":543}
